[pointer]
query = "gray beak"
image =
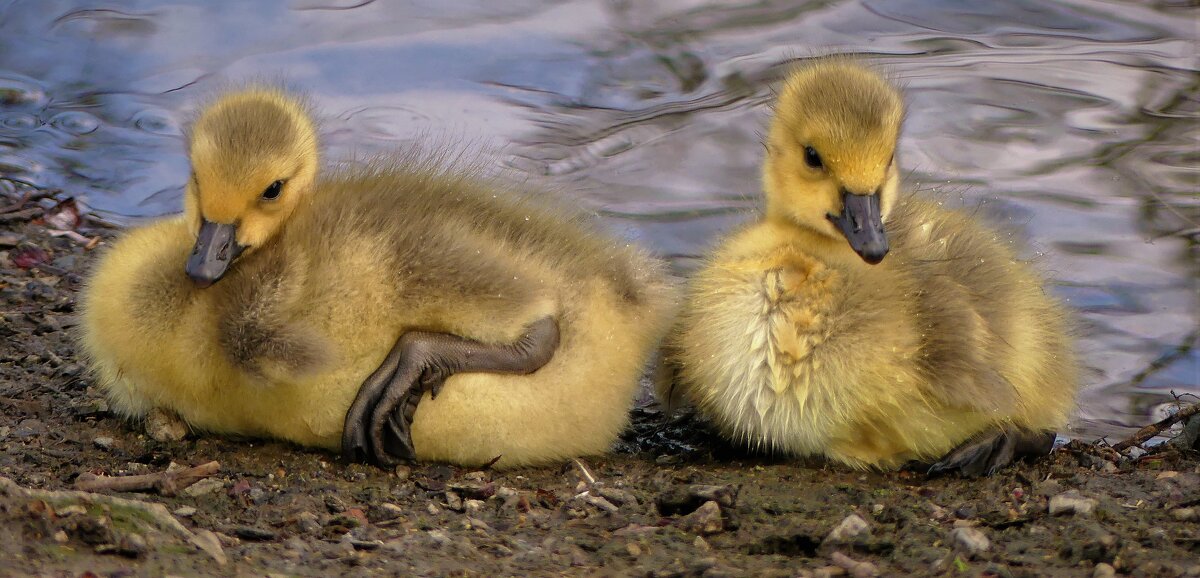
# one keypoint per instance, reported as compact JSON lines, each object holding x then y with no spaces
{"x":861,"y":222}
{"x":215,"y":250}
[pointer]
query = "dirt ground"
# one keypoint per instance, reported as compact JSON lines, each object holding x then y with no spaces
{"x":670,"y":501}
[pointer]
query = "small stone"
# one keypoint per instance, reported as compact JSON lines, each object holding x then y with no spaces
{"x":203,"y":487}
{"x":705,"y":520}
{"x":1185,"y":514}
{"x":164,"y":426}
{"x":61,"y":537}
{"x":854,"y":567}
{"x":388,"y":511}
{"x":308,"y":522}
{"x":970,"y":540}
{"x":473,"y":506}
{"x":633,"y":549}
{"x":71,"y":510}
{"x":701,"y":544}
{"x":440,"y":537}
{"x":208,"y":541}
{"x":848,"y":529}
{"x":829,"y":572}
{"x":185,"y":511}
{"x":104,"y":442}
{"x":617,"y":496}
{"x":454,"y":502}
{"x":133,"y":545}
{"x":432,"y":509}
{"x":1103,"y":570}
{"x":402,"y":472}
{"x":477,"y":524}
{"x":1071,"y":502}
{"x":252,"y":533}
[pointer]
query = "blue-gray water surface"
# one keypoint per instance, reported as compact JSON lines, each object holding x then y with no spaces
{"x":1073,"y":123}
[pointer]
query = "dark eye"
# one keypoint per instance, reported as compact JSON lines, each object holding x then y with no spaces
{"x":272,"y":191}
{"x":812,"y":159}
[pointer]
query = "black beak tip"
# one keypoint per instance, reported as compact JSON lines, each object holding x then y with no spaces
{"x":201,"y":281}
{"x":874,"y":256}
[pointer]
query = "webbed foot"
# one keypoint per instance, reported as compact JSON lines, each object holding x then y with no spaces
{"x":986,"y":454}
{"x":378,"y":426}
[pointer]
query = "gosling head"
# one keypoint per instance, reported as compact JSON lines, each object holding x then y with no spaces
{"x":830,"y":163}
{"x":254,"y":159}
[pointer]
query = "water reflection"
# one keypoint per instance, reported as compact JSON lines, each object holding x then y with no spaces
{"x":1073,"y":123}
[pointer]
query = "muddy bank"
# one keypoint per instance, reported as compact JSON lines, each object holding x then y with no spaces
{"x":672,"y":501}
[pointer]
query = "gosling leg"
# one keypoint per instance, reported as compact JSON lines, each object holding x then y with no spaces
{"x":378,"y":426}
{"x":987,"y":454}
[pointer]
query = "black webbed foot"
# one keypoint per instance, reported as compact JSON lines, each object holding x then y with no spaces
{"x":378,"y":425}
{"x":986,"y":454}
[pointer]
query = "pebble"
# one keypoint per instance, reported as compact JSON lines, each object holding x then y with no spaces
{"x":700,"y":544}
{"x":970,"y":540}
{"x":633,"y":549}
{"x":104,"y":442}
{"x":203,"y":487}
{"x":476,"y":523}
{"x":252,"y":533}
{"x":854,"y":567}
{"x":705,"y":520}
{"x":618,"y":496}
{"x":185,"y":511}
{"x":388,"y":511}
{"x":848,"y":529}
{"x":473,"y":506}
{"x":1071,"y":502}
{"x":61,"y":537}
{"x":1103,"y":570}
{"x":209,"y":542}
{"x":133,"y":545}
{"x":1185,"y":514}
{"x":454,"y":502}
{"x":308,"y":522}
{"x":71,"y":510}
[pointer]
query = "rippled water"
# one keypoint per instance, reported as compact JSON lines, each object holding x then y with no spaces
{"x":1074,"y":122}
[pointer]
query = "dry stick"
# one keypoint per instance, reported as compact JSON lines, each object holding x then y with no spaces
{"x":1157,"y":428}
{"x":21,"y":215}
{"x":167,"y":483}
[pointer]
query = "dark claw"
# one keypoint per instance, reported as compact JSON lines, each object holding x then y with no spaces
{"x":378,"y":426}
{"x":987,"y":454}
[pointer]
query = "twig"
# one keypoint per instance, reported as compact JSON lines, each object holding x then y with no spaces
{"x":23,"y":182}
{"x":587,"y":476}
{"x":1158,"y":427}
{"x":168,"y":483}
{"x":29,"y":213}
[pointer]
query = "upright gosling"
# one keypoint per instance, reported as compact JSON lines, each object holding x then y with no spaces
{"x":346,"y":300}
{"x":799,"y":337}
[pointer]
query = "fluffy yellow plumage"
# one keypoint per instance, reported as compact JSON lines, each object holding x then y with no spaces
{"x":335,"y":267}
{"x":792,"y":341}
